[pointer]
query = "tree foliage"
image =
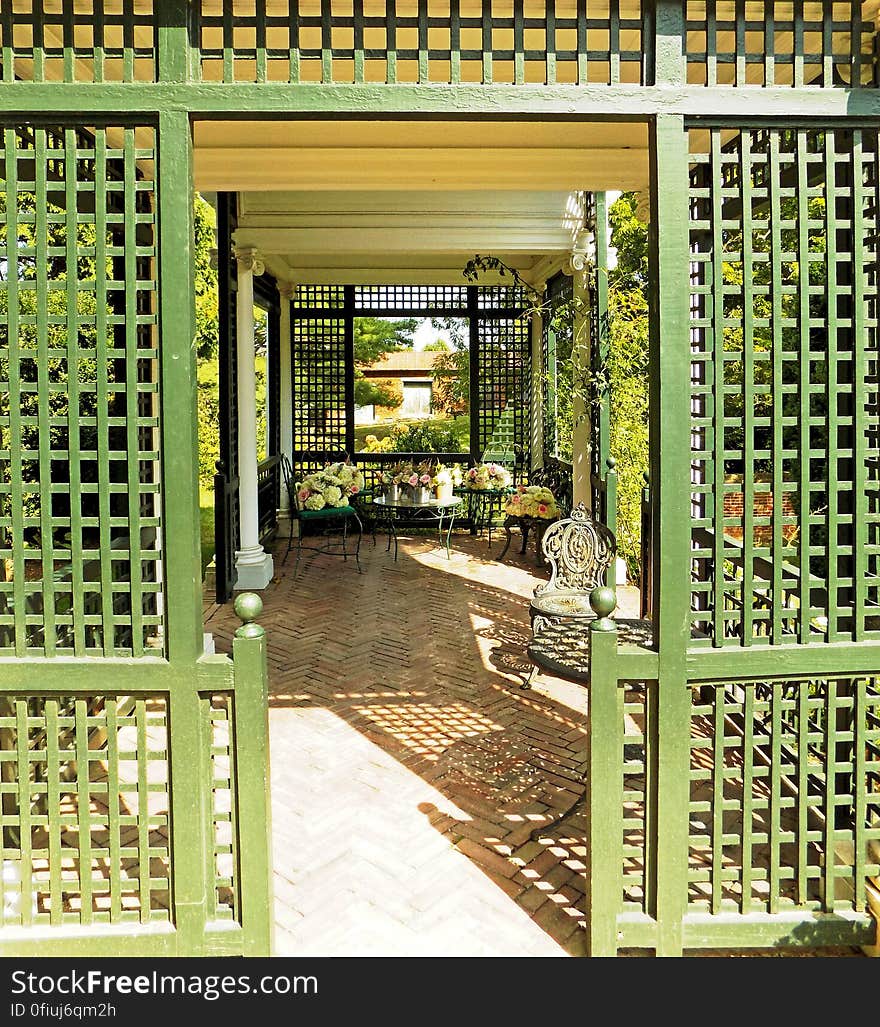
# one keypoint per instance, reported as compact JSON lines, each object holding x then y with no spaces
{"x":205,"y":279}
{"x":452,"y":368}
{"x":374,"y":338}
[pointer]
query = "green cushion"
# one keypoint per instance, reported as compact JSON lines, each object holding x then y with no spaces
{"x":328,"y":511}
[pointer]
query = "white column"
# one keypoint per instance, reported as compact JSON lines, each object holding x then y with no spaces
{"x":286,"y":291}
{"x":252,"y":563}
{"x":580,"y":360}
{"x":537,"y":397}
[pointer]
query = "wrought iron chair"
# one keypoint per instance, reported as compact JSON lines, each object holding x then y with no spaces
{"x":580,"y":552}
{"x":330,"y":517}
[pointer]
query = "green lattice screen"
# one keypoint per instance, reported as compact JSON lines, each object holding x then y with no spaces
{"x":785,"y":445}
{"x":504,"y":374}
{"x":784,"y":797}
{"x":395,"y":41}
{"x":318,"y":366}
{"x":80,"y":506}
{"x":556,"y":347}
{"x":780,"y":44}
{"x":78,"y":40}
{"x":84,"y":810}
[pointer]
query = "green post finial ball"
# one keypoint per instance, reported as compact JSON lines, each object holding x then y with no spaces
{"x":603,"y":601}
{"x":611,"y":462}
{"x":248,"y":606}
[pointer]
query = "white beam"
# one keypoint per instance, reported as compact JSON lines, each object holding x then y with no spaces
{"x":406,"y":237}
{"x":318,"y":274}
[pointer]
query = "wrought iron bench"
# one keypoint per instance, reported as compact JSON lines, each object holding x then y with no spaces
{"x":334,"y":518}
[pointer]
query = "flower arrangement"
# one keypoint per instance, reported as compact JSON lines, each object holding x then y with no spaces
{"x":396,"y":474}
{"x":422,"y":476}
{"x":331,"y":487}
{"x":488,"y":477}
{"x":450,"y":476}
{"x":532,"y":501}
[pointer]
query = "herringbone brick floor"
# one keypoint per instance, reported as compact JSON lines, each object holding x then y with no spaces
{"x":408,"y":768}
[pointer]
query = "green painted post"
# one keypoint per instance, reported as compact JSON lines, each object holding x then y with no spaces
{"x":668,"y":741}
{"x":600,"y":348}
{"x":183,"y":587}
{"x":668,"y":22}
{"x":611,"y":501}
{"x":604,"y":857}
{"x":174,"y":25}
{"x":184,"y":640}
{"x":252,"y":762}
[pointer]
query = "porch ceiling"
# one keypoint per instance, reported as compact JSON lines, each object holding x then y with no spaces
{"x":250,"y":156}
{"x":411,"y":202}
{"x":408,"y":237}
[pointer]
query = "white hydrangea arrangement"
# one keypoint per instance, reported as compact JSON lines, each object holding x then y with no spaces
{"x":488,"y":477}
{"x":331,"y":487}
{"x":444,"y":475}
{"x":532,"y":501}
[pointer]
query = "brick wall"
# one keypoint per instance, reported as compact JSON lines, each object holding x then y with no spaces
{"x":734,"y":506}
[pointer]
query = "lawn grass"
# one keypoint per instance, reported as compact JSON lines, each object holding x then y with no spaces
{"x":206,"y":526}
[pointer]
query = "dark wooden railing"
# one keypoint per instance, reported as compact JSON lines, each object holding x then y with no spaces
{"x":225,"y":533}
{"x":268,"y":495}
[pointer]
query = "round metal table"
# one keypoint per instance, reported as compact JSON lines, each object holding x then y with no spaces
{"x":563,"y":648}
{"x":389,"y":515}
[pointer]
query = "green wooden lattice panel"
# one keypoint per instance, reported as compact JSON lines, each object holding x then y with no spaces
{"x":223,"y":830}
{"x":77,"y":41}
{"x":780,"y":44}
{"x":785,"y":458}
{"x":512,"y":42}
{"x":80,"y":503}
{"x":84,"y":801}
{"x":784,"y":807}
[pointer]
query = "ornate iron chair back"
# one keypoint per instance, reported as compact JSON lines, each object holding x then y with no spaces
{"x":580,"y":552}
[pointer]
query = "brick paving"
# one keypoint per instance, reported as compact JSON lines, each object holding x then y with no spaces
{"x":409,"y":770}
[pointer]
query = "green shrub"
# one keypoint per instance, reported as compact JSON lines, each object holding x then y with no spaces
{"x":426,"y":437}
{"x":209,"y":417}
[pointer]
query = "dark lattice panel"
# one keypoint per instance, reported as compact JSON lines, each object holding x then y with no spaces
{"x":780,"y":44}
{"x":784,"y":809}
{"x":85,"y":819}
{"x":556,"y":348}
{"x":319,"y":297}
{"x":409,"y":299}
{"x":511,"y":42}
{"x":80,"y":504}
{"x":785,"y":460}
{"x":71,"y":41}
{"x":501,"y":297}
{"x":502,"y":388}
{"x":227,"y":286}
{"x":319,"y":396}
